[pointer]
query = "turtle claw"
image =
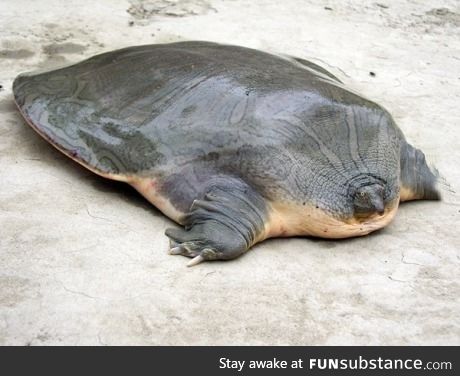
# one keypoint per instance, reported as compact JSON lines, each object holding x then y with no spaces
{"x":205,"y":242}
{"x":196,"y":260}
{"x":183,"y":249}
{"x":189,"y":249}
{"x":175,"y":251}
{"x":221,"y":225}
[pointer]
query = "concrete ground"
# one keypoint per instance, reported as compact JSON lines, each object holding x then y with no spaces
{"x":84,"y":260}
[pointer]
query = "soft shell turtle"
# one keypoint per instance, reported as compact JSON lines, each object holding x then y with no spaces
{"x":235,"y":144}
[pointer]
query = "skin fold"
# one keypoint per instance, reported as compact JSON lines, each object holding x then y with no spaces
{"x":234,"y":144}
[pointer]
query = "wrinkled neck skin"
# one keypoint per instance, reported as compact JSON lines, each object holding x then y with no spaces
{"x":337,"y":192}
{"x":335,"y":201}
{"x":356,"y":217}
{"x":330,"y":150}
{"x":363,"y":198}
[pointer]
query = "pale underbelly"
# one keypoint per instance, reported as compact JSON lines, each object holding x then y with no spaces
{"x":285,"y":219}
{"x":289,"y":219}
{"x":148,"y":188}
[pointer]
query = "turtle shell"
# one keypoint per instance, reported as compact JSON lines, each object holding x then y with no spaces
{"x":123,"y":113}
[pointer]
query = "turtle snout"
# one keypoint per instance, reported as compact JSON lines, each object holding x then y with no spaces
{"x":369,"y":200}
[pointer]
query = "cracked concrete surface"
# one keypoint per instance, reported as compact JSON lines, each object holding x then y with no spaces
{"x":84,"y":260}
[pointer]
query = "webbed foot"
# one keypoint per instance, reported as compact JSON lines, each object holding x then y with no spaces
{"x":225,"y":223}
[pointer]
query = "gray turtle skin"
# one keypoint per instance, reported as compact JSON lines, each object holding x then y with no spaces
{"x":235,"y":144}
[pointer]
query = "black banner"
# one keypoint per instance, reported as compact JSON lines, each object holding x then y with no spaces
{"x":230,"y":360}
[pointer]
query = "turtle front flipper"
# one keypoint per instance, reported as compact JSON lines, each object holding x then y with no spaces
{"x":418,"y":182}
{"x":227,"y":220}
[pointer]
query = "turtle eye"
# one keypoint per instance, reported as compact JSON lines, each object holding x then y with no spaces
{"x":362,"y":194}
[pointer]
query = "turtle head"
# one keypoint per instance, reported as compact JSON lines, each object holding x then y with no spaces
{"x":369,"y":200}
{"x":370,"y":195}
